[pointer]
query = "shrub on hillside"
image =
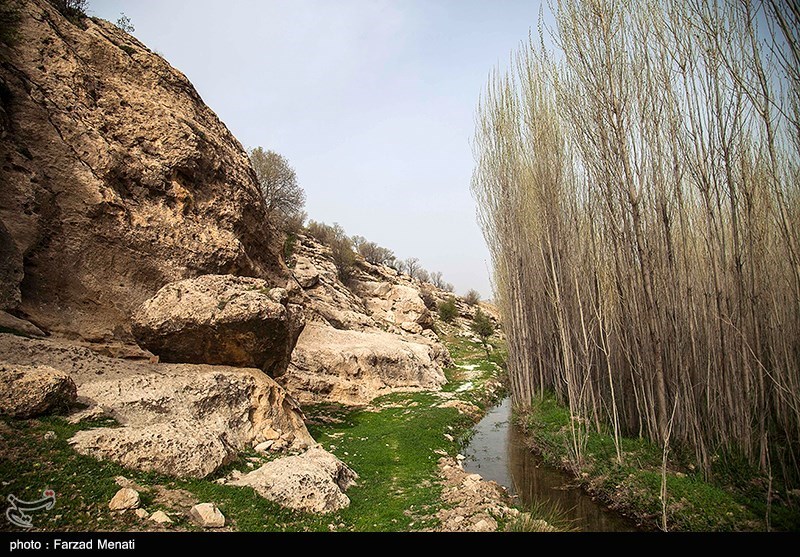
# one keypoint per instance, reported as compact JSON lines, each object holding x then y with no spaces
{"x":448,"y":310}
{"x":472,"y":297}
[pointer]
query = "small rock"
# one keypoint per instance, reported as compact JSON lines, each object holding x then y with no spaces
{"x":153,"y":359}
{"x":263,"y":447}
{"x":122,"y":481}
{"x":460,"y":457}
{"x":483,"y":526}
{"x":160,"y":517}
{"x":50,"y":436}
{"x":448,"y":437}
{"x":207,"y":515}
{"x":126,"y":498}
{"x":141,"y":513}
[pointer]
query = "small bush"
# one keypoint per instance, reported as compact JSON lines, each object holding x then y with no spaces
{"x":289,"y":246}
{"x":71,"y":9}
{"x":448,"y":310}
{"x":483,"y":327}
{"x":472,"y":297}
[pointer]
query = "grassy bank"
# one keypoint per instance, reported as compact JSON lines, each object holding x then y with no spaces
{"x":734,"y":498}
{"x":394,"y":445}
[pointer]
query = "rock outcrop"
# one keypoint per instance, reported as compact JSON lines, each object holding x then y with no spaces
{"x":367,"y":338}
{"x":221,"y":319}
{"x":351,"y":367}
{"x":314,"y":481}
{"x":116,"y":179}
{"x":176,"y":419}
{"x":28,"y":391}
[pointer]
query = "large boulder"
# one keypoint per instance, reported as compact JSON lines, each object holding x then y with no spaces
{"x":116,"y":179}
{"x":29,"y":391}
{"x":175,"y":419}
{"x":314,"y":481}
{"x":354,"y":366}
{"x":220,"y":319}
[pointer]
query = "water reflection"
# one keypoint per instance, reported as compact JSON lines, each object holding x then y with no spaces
{"x":497,"y":452}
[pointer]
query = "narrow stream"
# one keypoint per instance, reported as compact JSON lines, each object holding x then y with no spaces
{"x":497,"y":452}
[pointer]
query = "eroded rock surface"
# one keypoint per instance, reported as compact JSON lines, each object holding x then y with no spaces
{"x":116,"y":179}
{"x":27,"y":391}
{"x":176,"y":419}
{"x":364,"y":339}
{"x":314,"y":481}
{"x":220,"y":319}
{"x":355,"y":366}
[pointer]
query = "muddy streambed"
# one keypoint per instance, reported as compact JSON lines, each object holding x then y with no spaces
{"x":497,"y":452}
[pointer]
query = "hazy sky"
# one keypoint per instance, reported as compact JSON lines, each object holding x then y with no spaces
{"x":372,"y":101}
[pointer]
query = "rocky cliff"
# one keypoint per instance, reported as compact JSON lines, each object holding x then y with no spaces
{"x":116,"y":179}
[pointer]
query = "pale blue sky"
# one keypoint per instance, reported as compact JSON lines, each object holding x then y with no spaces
{"x":372,"y":101}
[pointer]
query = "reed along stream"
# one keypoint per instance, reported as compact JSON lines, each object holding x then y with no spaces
{"x":497,"y":452}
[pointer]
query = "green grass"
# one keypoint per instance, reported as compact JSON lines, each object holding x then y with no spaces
{"x":394,"y":445}
{"x":634,"y":486}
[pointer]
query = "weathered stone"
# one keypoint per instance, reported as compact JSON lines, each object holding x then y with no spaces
{"x":305,"y":272}
{"x":160,"y":517}
{"x":354,"y":367}
{"x":142,"y":514}
{"x":126,"y":498}
{"x":50,"y":436}
{"x":314,"y":481}
{"x":207,"y":515}
{"x":220,"y":319}
{"x":28,"y":391}
{"x":116,"y":179}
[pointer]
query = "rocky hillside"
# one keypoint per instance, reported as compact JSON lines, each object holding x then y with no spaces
{"x":117,"y":179}
{"x":372,"y":336}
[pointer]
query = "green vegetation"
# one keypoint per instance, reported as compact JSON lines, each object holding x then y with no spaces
{"x":734,"y":500}
{"x":284,"y":199}
{"x":448,"y":310}
{"x":483,"y":327}
{"x":73,"y":10}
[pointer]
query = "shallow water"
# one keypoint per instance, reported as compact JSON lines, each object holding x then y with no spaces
{"x":497,"y":452}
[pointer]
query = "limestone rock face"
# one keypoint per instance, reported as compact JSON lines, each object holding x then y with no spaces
{"x":314,"y":481}
{"x":366,"y":338}
{"x":220,"y":319}
{"x":116,"y":179}
{"x":355,"y":366}
{"x":29,"y":391}
{"x":396,"y":303}
{"x":176,"y":419}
